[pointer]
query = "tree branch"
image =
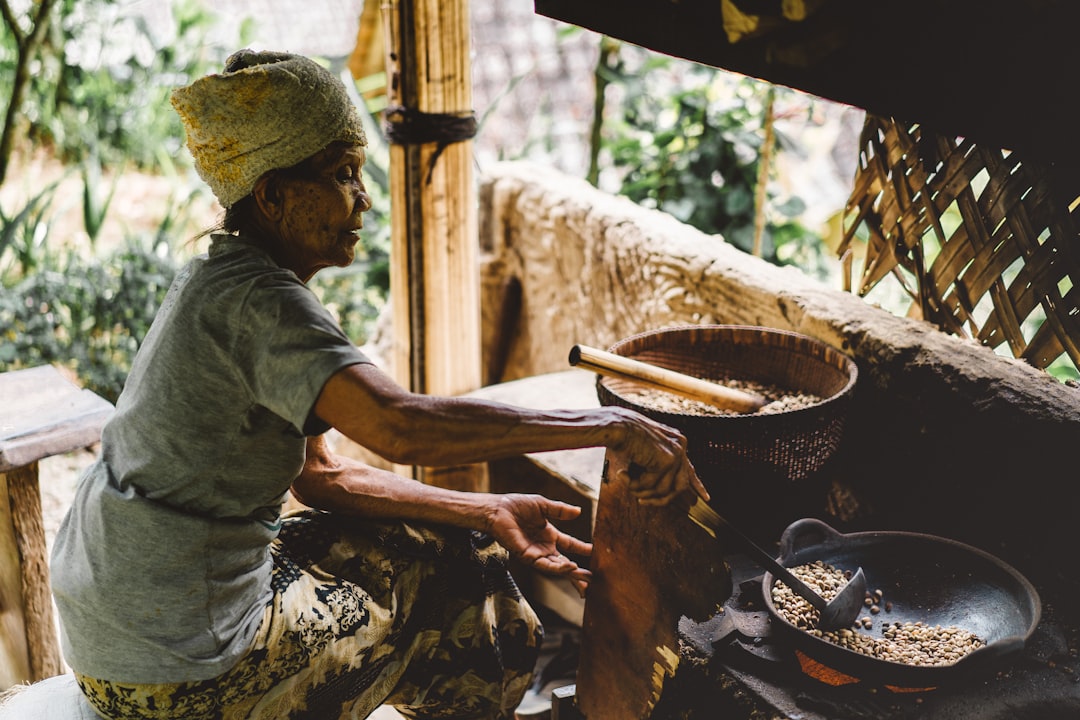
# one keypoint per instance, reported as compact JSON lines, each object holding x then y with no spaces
{"x":11,"y":22}
{"x":28,"y":45}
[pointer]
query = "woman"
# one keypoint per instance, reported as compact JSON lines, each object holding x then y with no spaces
{"x":182,"y":591}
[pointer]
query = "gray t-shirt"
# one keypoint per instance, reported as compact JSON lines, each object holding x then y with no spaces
{"x":161,"y":568}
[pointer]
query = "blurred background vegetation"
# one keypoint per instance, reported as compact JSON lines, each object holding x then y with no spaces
{"x":89,"y":138}
{"x":98,"y":200}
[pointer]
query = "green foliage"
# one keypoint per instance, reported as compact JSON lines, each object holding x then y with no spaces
{"x":91,"y":314}
{"x":88,"y":315}
{"x":24,"y":237}
{"x":95,"y":207}
{"x":103,"y":80}
{"x":98,"y":99}
{"x":687,"y":139}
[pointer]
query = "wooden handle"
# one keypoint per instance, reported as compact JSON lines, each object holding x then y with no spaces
{"x":613,"y":365}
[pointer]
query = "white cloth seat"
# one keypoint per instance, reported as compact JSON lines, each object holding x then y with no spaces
{"x":56,"y":698}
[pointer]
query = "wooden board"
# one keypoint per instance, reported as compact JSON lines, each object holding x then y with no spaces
{"x":42,"y":413}
{"x":572,"y":389}
{"x":651,"y":567}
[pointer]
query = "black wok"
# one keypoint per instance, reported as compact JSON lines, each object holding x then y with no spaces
{"x":925,"y":578}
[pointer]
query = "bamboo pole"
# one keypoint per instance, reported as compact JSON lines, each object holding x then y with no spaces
{"x":660,"y":378}
{"x":435,"y":275}
{"x":768,"y":148}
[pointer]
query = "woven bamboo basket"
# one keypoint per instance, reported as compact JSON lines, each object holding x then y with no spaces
{"x":746,"y":459}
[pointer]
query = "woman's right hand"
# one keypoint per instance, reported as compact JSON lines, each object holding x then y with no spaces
{"x":657,"y":467}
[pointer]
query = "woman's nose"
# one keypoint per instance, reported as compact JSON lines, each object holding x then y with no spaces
{"x":364,"y":200}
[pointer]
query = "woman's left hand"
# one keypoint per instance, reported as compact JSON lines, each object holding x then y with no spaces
{"x":522,"y":524}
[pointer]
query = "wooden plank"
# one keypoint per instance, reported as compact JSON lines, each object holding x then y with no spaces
{"x":651,"y":566}
{"x":78,"y":431}
{"x":579,"y":469}
{"x":573,"y":389}
{"x":42,"y":413}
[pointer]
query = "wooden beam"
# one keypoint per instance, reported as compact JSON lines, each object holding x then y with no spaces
{"x":435,"y":274}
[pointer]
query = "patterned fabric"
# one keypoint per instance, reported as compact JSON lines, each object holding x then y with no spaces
{"x":426,"y":619}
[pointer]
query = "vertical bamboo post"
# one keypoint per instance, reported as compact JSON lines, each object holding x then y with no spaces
{"x":768,"y":149}
{"x":435,"y":276}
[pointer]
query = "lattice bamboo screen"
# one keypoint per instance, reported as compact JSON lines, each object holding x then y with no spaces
{"x":978,"y":239}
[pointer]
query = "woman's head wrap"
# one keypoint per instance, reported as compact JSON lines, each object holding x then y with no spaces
{"x":268,"y":110}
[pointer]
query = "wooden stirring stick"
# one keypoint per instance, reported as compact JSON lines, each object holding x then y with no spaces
{"x":613,"y":365}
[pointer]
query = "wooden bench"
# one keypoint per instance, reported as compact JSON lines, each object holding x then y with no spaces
{"x":42,"y":413}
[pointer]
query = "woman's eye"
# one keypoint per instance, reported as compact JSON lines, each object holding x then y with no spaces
{"x":345,"y":174}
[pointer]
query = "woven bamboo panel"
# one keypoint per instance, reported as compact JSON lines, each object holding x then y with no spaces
{"x":976,"y":236}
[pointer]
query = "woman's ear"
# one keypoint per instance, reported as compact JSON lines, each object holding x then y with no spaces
{"x":268,"y":196}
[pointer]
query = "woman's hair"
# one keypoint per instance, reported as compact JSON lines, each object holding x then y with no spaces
{"x":239,"y":216}
{"x":236,"y":217}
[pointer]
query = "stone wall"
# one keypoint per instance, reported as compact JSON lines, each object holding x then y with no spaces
{"x":944,"y":435}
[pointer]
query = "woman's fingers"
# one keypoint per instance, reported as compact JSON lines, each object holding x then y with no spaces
{"x":558,"y":510}
{"x":570,"y":544}
{"x":580,"y":580}
{"x":653,"y":485}
{"x":562,"y":566}
{"x":696,"y":485}
{"x":659,"y":470}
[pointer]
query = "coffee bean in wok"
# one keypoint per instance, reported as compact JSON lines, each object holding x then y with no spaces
{"x":908,"y":643}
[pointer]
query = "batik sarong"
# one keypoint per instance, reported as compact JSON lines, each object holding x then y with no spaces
{"x":424,"y":618}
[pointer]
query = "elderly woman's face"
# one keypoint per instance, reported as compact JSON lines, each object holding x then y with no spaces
{"x":323,"y":210}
